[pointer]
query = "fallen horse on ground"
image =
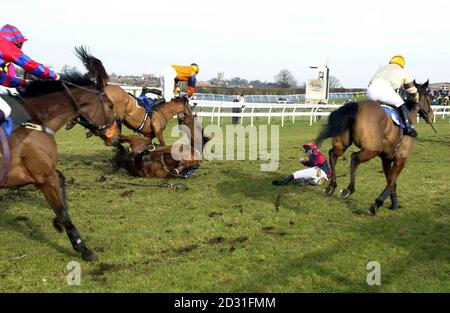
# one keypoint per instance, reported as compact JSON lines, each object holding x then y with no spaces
{"x":143,"y":159}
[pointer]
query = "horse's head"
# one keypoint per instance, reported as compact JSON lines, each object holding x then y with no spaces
{"x":98,"y":112}
{"x":425,"y":99}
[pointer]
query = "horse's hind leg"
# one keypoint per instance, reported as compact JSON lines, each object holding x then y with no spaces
{"x":334,"y":153}
{"x":357,"y":158}
{"x":391,"y":186}
{"x":51,"y":188}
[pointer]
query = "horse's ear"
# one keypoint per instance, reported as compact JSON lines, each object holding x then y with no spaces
{"x":425,"y":84}
{"x":415,"y":84}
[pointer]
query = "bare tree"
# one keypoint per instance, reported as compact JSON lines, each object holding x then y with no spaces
{"x":334,"y":82}
{"x":285,"y":79}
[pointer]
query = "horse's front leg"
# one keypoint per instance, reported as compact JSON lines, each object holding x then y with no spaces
{"x":159,"y":135}
{"x":357,"y":158}
{"x":391,"y":186}
{"x":53,"y":189}
{"x":387,"y":166}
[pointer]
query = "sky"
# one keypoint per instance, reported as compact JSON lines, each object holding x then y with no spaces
{"x":247,"y":39}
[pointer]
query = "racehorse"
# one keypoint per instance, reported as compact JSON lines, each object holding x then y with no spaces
{"x":366,"y":125}
{"x":34,"y":153}
{"x":136,"y":118}
{"x":158,"y":161}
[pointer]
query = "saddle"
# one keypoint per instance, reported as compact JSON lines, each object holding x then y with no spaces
{"x":393,"y":114}
{"x":19,"y":114}
{"x":147,"y":103}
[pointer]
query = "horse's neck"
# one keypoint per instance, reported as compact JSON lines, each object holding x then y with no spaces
{"x":170,"y":109}
{"x":413,"y":114}
{"x":54,"y":110}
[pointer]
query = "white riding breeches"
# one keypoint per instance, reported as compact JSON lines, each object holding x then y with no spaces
{"x":5,"y":108}
{"x":382,"y":91}
{"x":168,"y":82}
{"x":314,"y":175}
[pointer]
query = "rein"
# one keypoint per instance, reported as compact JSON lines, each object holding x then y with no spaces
{"x":83,"y":120}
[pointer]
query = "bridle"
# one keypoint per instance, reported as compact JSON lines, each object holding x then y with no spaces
{"x":166,"y":168}
{"x":422,"y":112}
{"x":82,"y":118}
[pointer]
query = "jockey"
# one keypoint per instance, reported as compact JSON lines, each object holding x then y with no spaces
{"x":318,"y":171}
{"x":11,"y":41}
{"x":385,"y":81}
{"x":176,"y":73}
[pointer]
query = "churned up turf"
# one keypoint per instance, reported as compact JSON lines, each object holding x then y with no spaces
{"x":232,"y":230}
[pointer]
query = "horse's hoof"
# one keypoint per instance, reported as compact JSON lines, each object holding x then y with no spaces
{"x":58,"y":226}
{"x":345,"y":193}
{"x":328,"y":191}
{"x":88,"y":255}
{"x":373,"y":210}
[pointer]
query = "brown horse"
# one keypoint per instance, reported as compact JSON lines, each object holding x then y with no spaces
{"x":366,"y":125}
{"x":135,"y":118}
{"x":34,"y":153}
{"x":158,"y":161}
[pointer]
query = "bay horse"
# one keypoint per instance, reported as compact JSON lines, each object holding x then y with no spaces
{"x":170,"y":161}
{"x":134,"y":116}
{"x":366,"y":125}
{"x":33,"y":152}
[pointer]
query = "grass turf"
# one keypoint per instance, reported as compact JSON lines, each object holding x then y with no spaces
{"x":233,"y":231}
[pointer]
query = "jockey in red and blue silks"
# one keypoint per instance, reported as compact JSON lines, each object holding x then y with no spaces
{"x":11,"y":41}
{"x":317,"y":172}
{"x":316,"y":158}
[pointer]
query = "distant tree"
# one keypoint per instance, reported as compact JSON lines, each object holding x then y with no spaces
{"x":237,"y":81}
{"x":334,"y":82}
{"x":285,"y":79}
{"x":69,"y":70}
{"x":256,"y":83}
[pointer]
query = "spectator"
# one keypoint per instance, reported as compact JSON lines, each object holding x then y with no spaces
{"x":240,"y":99}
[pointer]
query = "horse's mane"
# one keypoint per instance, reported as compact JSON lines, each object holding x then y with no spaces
{"x":43,"y":87}
{"x":95,"y":70}
{"x":93,"y":65}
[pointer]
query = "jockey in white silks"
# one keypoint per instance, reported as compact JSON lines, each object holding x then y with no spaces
{"x":383,"y":85}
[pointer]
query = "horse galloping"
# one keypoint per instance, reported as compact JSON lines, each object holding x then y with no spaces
{"x":33,"y":153}
{"x":366,"y":125}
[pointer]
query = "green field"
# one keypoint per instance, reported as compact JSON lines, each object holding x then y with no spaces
{"x":232,"y":231}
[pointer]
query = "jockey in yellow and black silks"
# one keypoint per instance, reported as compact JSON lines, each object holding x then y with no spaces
{"x":176,"y":73}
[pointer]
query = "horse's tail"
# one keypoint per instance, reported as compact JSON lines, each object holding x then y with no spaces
{"x":338,"y":122}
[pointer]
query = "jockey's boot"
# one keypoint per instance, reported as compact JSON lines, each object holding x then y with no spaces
{"x":154,"y":91}
{"x":159,"y":101}
{"x":284,"y":181}
{"x":2,"y":117}
{"x":409,"y":128}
